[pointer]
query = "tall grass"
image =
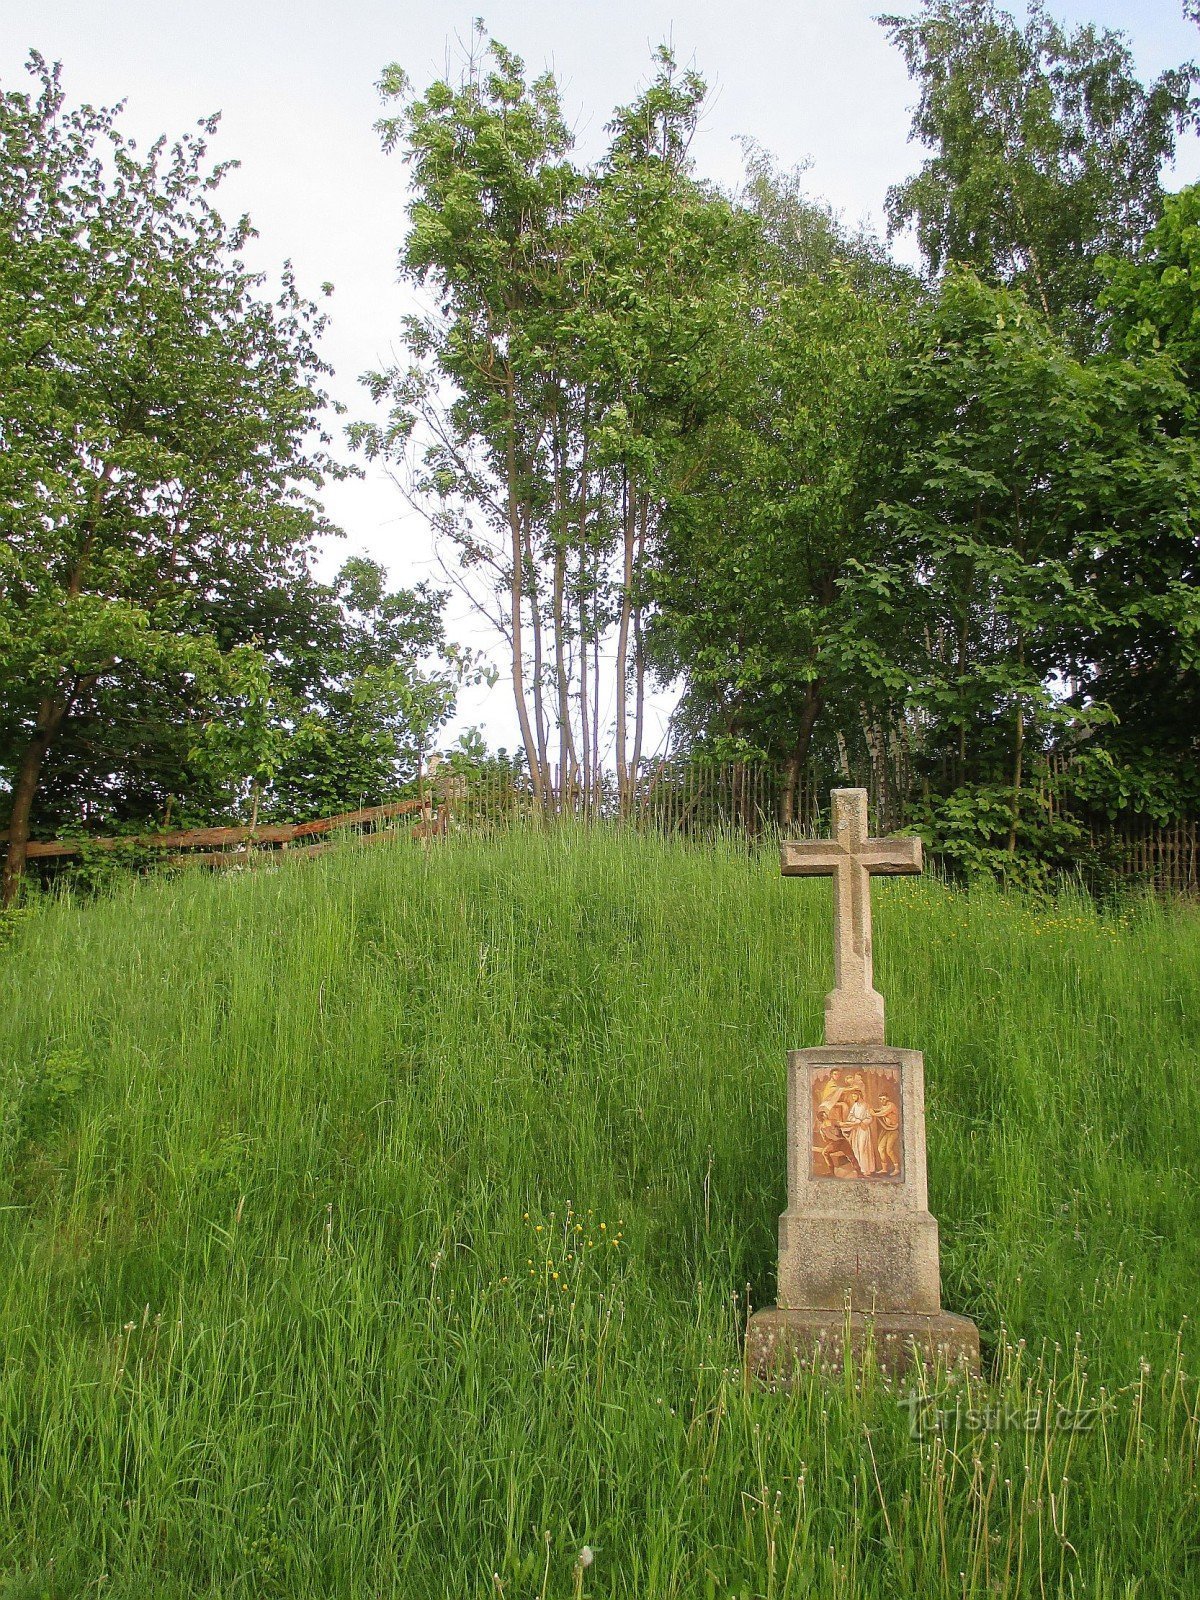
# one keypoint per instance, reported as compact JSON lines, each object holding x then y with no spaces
{"x":386,"y":1224}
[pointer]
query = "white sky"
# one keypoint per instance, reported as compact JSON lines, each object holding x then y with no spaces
{"x":813,"y":80}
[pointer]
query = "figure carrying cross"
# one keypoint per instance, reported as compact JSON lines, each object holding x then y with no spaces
{"x":853,"y":1008}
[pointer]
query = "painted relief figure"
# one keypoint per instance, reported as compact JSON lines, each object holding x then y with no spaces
{"x":858,"y":1126}
{"x":887,"y":1126}
{"x":856,"y":1122}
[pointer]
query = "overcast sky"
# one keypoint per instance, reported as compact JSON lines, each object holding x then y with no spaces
{"x":815,"y":81}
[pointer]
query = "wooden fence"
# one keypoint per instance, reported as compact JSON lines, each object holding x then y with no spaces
{"x":691,"y":800}
{"x":247,"y":846}
{"x":1167,"y":858}
{"x":695,"y":799}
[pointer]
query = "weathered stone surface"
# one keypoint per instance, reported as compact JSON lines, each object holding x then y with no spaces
{"x":890,"y":1263}
{"x":858,"y":1247}
{"x":782,"y":1343}
{"x":854,"y":1007}
{"x":867,"y":1239}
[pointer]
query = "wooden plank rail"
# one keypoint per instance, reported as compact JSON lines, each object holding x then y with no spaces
{"x":270,"y":834}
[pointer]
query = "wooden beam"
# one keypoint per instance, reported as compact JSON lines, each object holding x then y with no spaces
{"x":193,"y":838}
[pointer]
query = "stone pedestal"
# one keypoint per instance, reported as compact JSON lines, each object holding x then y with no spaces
{"x":780,"y":1344}
{"x":857,"y":1243}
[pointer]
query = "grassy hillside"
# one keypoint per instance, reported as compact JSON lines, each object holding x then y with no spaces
{"x":379,"y":1224}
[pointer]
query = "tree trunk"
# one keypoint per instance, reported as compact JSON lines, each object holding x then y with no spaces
{"x":628,"y":533}
{"x":51,"y":715}
{"x":568,"y":758}
{"x":639,"y":654}
{"x":585,"y":726}
{"x":799,"y":755}
{"x":877,"y":750}
{"x":50,"y":719}
{"x":539,"y":661}
{"x":964,"y":636}
{"x":583,"y":511}
{"x":843,"y":756}
{"x":787,"y":807}
{"x":902,"y":747}
{"x":1018,"y":760}
{"x":516,"y":600}
{"x":639,"y":700}
{"x":599,"y":775}
{"x":1018,"y":740}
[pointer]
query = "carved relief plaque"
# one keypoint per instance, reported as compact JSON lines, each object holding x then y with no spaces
{"x":857,"y":1123}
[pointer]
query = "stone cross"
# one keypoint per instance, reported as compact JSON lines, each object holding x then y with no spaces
{"x":854,"y":1008}
{"x":859,"y":1265}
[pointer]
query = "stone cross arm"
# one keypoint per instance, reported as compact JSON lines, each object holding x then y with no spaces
{"x":853,"y":1011}
{"x":882,"y":858}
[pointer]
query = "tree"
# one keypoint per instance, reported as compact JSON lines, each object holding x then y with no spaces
{"x":1151,"y":301}
{"x":491,"y":187}
{"x":567,"y":336}
{"x":770,"y":550}
{"x":665,"y":249}
{"x":1047,"y":150}
{"x":1046,"y":508}
{"x":1148,"y":670}
{"x":356,"y":710}
{"x":160,"y":424}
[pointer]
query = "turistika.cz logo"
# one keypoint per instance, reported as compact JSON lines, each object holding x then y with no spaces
{"x":926,"y":1417}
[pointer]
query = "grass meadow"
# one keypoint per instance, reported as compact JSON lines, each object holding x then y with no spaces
{"x":386,"y":1225}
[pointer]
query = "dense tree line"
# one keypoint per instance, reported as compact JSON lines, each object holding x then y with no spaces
{"x":933,"y":525}
{"x":929,"y":525}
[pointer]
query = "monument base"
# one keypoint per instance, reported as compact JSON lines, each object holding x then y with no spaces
{"x":781,"y":1343}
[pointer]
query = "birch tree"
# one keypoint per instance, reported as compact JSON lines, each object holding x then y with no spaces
{"x":563,"y":342}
